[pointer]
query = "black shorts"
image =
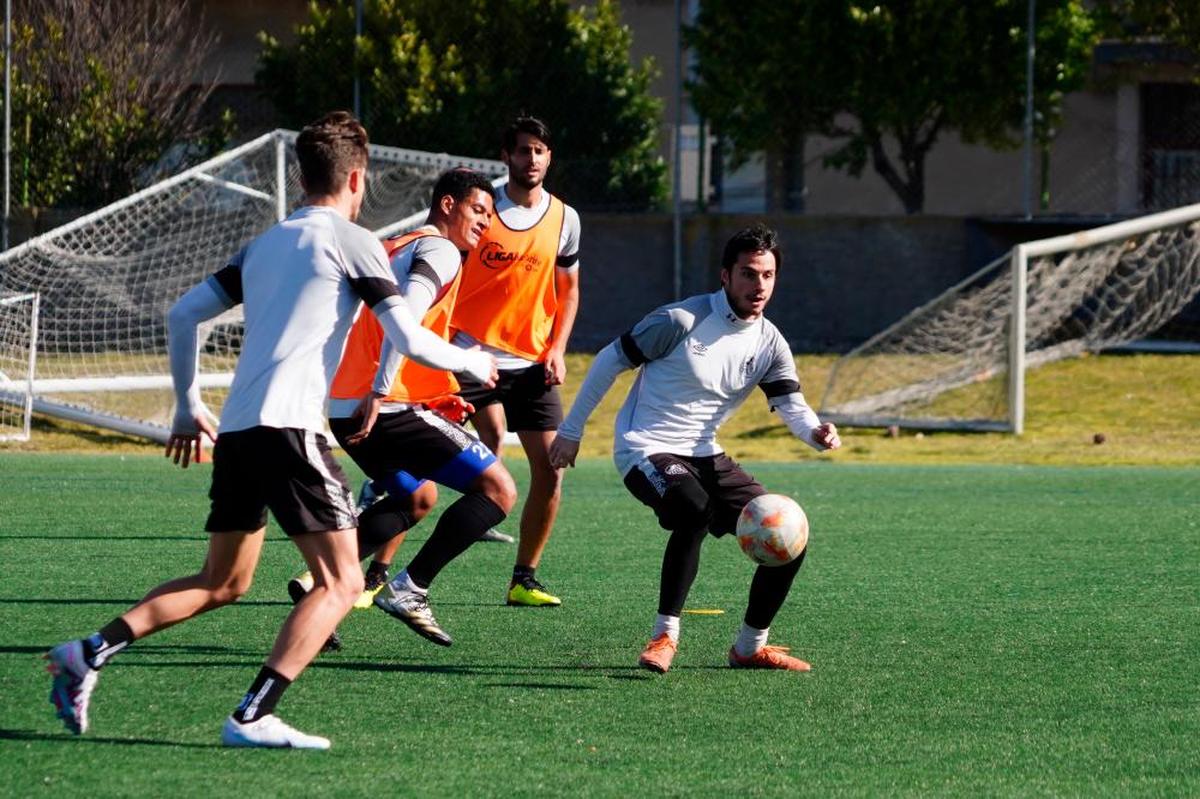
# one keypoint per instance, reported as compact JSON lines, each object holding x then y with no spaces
{"x":288,"y":470}
{"x":419,"y":443}
{"x":726,"y":485}
{"x":529,"y":404}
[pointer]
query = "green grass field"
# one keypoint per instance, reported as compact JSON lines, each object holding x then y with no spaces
{"x":974,"y":630}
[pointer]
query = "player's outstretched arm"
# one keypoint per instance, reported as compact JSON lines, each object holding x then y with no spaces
{"x":802,"y":420}
{"x":608,"y":364}
{"x":429,"y":349}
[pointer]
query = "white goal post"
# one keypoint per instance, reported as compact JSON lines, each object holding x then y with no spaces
{"x":107,"y":279}
{"x":959,"y":361}
{"x":18,"y":359}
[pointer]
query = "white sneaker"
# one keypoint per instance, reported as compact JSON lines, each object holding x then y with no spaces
{"x":412,"y":608}
{"x":492,"y":534}
{"x":269,"y":731}
{"x":74,"y":681}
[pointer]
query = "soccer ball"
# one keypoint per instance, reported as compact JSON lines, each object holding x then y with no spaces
{"x":772,"y":530}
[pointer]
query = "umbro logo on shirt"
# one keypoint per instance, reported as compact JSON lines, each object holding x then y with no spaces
{"x":699,"y":348}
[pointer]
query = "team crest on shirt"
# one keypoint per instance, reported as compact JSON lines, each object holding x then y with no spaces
{"x":698,"y":348}
{"x":748,"y":367}
{"x":494,"y":256}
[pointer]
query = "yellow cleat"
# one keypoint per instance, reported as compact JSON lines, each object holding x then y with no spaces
{"x":367,"y":598}
{"x":528,"y":592}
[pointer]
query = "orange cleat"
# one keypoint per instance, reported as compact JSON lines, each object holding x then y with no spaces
{"x":769,"y":657}
{"x":658,"y":654}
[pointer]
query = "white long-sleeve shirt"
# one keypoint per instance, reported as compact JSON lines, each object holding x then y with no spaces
{"x":698,"y":362}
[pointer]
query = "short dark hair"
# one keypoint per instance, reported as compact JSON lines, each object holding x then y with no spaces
{"x":328,"y":149}
{"x":458,"y":183}
{"x":531,"y":125}
{"x":756,"y":238}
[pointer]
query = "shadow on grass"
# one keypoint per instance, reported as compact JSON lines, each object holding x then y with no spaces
{"x":255,"y":603}
{"x":83,"y":740}
{"x":104,"y":537}
{"x":493,"y":670}
{"x":762,"y":432}
{"x":101,"y":537}
{"x":142,"y":649}
{"x":539,"y":686}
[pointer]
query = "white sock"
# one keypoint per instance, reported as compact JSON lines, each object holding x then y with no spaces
{"x":668,"y":625}
{"x":402,"y":582}
{"x":750,"y":640}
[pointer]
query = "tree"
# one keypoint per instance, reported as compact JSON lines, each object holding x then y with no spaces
{"x":884,"y":80}
{"x":448,"y":77}
{"x":1175,"y":21}
{"x":100,"y":92}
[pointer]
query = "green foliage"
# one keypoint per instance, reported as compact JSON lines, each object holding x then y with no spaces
{"x":89,"y":125}
{"x":887,"y":79}
{"x":448,"y":77}
{"x":1175,"y":21}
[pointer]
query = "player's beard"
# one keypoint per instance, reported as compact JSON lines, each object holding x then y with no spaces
{"x":741,"y":306}
{"x":523,"y":182}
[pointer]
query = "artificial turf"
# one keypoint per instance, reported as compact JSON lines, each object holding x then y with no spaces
{"x":974,"y":630}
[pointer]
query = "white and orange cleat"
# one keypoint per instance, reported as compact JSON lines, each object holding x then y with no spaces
{"x":769,"y":657}
{"x":659,"y":653}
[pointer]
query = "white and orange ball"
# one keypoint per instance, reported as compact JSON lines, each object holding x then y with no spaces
{"x":772,"y":530}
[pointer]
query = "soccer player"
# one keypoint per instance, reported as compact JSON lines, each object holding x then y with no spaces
{"x":519,"y":296}
{"x":301,"y":283}
{"x":409,"y":441}
{"x":699,"y":359}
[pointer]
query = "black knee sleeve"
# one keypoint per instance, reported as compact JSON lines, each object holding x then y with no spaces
{"x":684,"y":506}
{"x":382,"y":522}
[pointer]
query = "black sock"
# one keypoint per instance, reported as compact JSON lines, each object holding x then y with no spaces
{"x":377,"y":571}
{"x":382,"y":522}
{"x":112,"y":638}
{"x":768,"y":589}
{"x":262,"y":697}
{"x":680,"y":564}
{"x":461,"y":525}
{"x":521,"y":572}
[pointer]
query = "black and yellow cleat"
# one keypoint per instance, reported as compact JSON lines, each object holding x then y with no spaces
{"x":528,"y":592}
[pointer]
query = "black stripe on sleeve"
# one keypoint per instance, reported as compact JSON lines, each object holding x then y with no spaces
{"x":229,"y":278}
{"x":566,"y":261}
{"x":373,"y":290}
{"x":779,"y":388}
{"x":633,"y":353}
{"x":423,"y":269}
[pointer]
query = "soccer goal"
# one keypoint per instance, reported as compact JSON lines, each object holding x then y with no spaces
{"x":18,"y":357}
{"x":959,"y":361}
{"x":106,"y":280}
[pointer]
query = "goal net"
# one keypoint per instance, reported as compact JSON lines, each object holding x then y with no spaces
{"x":18,"y":332}
{"x":106,"y":280}
{"x":959,"y":361}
